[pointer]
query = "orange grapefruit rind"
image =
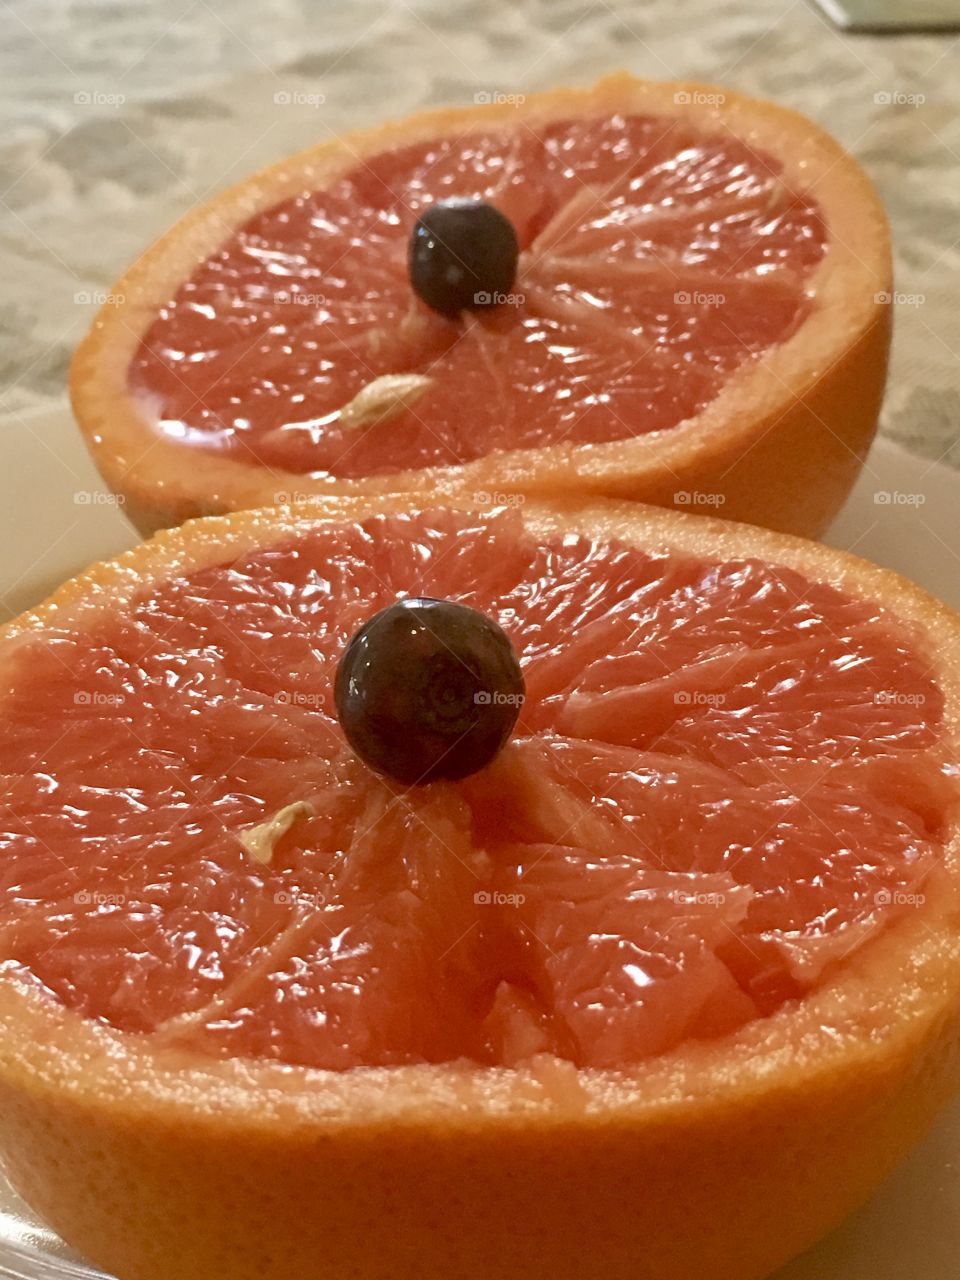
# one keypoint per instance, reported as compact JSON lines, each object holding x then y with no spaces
{"x":719,"y":1159}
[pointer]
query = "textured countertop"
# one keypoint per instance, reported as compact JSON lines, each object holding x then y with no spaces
{"x":119,"y":115}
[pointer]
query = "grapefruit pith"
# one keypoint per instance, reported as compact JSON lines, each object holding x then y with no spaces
{"x":662,"y":992}
{"x":697,"y":318}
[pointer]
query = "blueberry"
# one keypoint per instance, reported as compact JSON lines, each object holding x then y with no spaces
{"x":463,"y":255}
{"x":428,"y":689}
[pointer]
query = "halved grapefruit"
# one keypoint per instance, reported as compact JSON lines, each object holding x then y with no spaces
{"x":662,"y":992}
{"x":698,"y":319}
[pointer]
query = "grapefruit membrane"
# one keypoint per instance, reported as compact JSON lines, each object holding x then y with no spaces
{"x":685,"y":952}
{"x":699,"y":292}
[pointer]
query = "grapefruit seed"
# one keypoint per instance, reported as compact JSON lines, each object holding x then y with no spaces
{"x":428,"y":689}
{"x":463,"y":256}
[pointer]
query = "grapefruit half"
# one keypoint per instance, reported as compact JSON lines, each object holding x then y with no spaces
{"x":698,"y":319}
{"x":662,"y":992}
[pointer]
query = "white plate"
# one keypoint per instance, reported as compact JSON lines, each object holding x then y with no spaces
{"x":902,"y":514}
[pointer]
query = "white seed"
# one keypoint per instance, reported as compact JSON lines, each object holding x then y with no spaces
{"x":259,"y":841}
{"x":382,"y":398}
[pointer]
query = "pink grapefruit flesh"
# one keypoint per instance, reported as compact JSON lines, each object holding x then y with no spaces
{"x":726,"y":780}
{"x":657,"y":259}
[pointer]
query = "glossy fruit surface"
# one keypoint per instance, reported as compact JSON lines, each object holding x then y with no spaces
{"x":724,"y":779}
{"x":694,"y":321}
{"x":655,"y":263}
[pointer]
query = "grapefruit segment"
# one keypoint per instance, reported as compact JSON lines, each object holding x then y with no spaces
{"x":691,"y":819}
{"x":624,"y":957}
{"x":380,"y":965}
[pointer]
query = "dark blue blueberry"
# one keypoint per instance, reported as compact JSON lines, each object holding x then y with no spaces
{"x":428,"y":689}
{"x":463,"y":256}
